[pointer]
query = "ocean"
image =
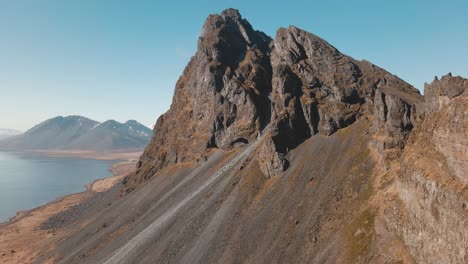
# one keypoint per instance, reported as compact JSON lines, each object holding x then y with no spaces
{"x":29,"y":180}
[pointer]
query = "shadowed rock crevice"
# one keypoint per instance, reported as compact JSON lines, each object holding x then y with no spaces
{"x":289,"y":126}
{"x":240,"y":142}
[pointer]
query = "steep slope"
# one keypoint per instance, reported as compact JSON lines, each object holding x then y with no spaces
{"x":225,"y":210}
{"x":342,"y":163}
{"x":81,"y":133}
{"x":427,"y":204}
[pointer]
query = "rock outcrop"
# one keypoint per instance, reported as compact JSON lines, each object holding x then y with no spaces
{"x":317,"y":89}
{"x":446,"y":123}
{"x":441,"y":92}
{"x":430,"y":209}
{"x":240,"y":80}
{"x":221,"y":99}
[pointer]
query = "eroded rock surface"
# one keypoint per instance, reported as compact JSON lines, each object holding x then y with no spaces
{"x":430,"y":210}
{"x":317,"y":89}
{"x":221,"y":99}
{"x":240,"y":80}
{"x":441,"y":92}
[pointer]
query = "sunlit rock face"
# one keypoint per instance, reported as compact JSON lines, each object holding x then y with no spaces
{"x":430,"y":211}
{"x":221,"y":99}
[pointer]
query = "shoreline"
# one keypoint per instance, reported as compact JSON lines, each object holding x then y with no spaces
{"x":21,"y":239}
{"x":84,"y":154}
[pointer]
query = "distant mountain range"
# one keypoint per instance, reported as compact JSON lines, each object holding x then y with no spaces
{"x":6,"y":133}
{"x":81,"y":133}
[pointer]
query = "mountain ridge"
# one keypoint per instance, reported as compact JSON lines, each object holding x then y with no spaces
{"x":241,"y":69}
{"x":76,"y":132}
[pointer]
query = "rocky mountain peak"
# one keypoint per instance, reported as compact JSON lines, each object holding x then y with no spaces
{"x":293,"y":44}
{"x":232,"y":13}
{"x":221,"y":99}
{"x":318,"y":90}
{"x":226,"y":38}
{"x":240,"y":80}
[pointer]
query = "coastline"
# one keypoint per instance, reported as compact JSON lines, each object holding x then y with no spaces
{"x":21,"y":239}
{"x":84,"y":154}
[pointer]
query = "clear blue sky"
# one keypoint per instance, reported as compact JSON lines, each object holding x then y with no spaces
{"x":120,"y":59}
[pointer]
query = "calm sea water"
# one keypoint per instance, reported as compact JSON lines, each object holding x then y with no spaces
{"x":28,"y":180}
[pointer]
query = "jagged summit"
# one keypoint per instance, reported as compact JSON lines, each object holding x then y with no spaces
{"x":240,"y":80}
{"x":220,"y":100}
{"x":232,"y":13}
{"x":302,"y":35}
{"x":226,"y":38}
{"x":317,"y":89}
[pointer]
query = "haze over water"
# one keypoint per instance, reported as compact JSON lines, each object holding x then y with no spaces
{"x":28,"y":180}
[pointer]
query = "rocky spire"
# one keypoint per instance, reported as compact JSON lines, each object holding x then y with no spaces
{"x":221,"y":99}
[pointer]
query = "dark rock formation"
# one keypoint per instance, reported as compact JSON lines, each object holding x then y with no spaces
{"x":317,"y":89}
{"x":393,"y":116}
{"x":223,"y":97}
{"x":220,"y":100}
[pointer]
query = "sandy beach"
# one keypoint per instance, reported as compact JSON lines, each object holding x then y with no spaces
{"x":22,"y":240}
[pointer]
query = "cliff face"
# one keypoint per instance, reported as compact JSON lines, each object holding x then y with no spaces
{"x":445,"y":124}
{"x":429,"y":209}
{"x":345,"y":163}
{"x":221,"y":99}
{"x":235,"y":85}
{"x":318,"y":90}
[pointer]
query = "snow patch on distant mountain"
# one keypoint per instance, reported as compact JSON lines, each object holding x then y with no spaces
{"x":81,"y":133}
